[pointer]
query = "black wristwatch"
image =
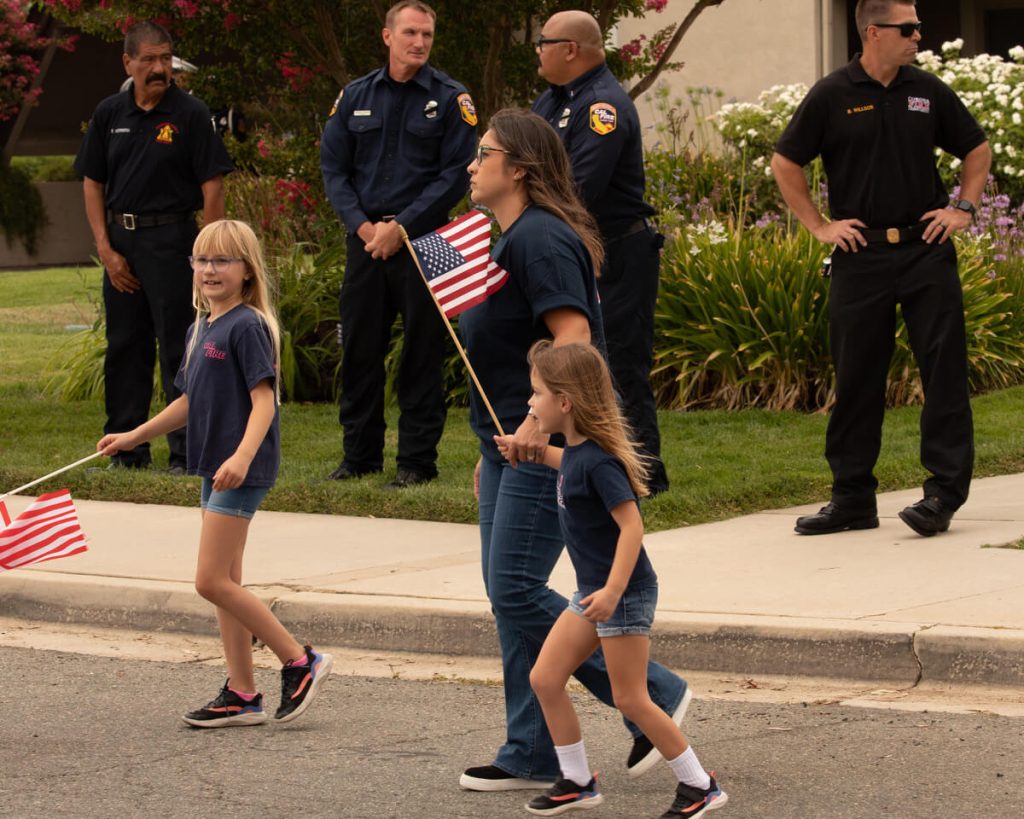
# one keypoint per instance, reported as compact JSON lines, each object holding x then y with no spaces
{"x":966,"y":206}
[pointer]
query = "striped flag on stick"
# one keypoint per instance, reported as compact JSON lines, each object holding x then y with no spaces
{"x":46,"y":530}
{"x":456,"y":262}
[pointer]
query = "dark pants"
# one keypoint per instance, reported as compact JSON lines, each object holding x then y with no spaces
{"x":159,"y":312}
{"x":629,"y":290}
{"x":373,"y":292}
{"x":865,"y":289}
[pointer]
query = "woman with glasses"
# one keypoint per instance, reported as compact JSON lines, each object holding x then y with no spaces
{"x":550,"y":249}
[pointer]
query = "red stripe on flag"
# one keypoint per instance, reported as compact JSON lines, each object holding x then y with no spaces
{"x":3,"y":513}
{"x":46,"y":530}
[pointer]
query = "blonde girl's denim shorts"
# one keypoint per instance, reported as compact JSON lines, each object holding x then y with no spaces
{"x":634,"y":614}
{"x":241,"y":502}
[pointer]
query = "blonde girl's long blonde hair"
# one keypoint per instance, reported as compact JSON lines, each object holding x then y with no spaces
{"x":579,"y":372}
{"x":230,"y":237}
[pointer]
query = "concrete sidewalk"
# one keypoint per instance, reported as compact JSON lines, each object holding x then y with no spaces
{"x":743,"y":596}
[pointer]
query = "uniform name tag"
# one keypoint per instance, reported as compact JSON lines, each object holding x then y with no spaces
{"x":120,"y":130}
{"x":365,"y":112}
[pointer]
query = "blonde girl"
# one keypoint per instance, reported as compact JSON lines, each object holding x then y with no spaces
{"x":600,"y":476}
{"x":230,"y":397}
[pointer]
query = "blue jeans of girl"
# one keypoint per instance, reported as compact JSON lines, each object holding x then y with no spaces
{"x":522,"y":542}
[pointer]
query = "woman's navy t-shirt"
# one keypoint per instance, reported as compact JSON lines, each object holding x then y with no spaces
{"x":231,"y":356}
{"x":549,"y":267}
{"x":590,"y":484}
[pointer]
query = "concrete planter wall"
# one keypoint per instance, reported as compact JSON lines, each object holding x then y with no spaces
{"x":66,"y":240}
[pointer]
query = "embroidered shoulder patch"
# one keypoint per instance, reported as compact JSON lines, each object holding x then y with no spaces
{"x":467,"y":109}
{"x":603,"y":118}
{"x":334,"y":108}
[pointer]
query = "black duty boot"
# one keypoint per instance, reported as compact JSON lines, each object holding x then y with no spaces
{"x":834,"y":518}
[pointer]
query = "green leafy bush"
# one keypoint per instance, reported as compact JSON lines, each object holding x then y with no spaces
{"x":48,"y":168}
{"x":22,"y":212}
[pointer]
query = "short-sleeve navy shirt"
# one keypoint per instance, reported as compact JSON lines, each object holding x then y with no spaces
{"x":600,"y":128}
{"x":878,"y":142}
{"x":152,"y":161}
{"x":399,"y":149}
{"x":231,"y":356}
{"x":549,"y":268}
{"x":591,"y":483}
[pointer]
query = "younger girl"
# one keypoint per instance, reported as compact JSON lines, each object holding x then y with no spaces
{"x":600,"y":476}
{"x":229,"y":400}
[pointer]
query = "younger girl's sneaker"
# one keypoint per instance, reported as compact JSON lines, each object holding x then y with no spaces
{"x":565,"y":796}
{"x":226,"y":710}
{"x":301,"y":684}
{"x":691,"y":801}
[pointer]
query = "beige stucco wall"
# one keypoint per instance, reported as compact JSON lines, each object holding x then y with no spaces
{"x":741,"y":47}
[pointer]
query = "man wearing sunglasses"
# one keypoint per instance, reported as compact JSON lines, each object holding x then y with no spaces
{"x":600,"y":128}
{"x":876,"y":124}
{"x":394,"y":154}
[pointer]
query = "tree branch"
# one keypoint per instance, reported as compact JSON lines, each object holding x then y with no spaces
{"x":677,"y":37}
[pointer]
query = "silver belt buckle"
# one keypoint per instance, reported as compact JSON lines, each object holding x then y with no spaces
{"x":129,"y":221}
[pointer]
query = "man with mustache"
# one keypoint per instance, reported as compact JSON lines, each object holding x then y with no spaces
{"x":393,"y":155}
{"x":150,"y":159}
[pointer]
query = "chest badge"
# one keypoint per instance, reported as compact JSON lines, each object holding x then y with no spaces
{"x":430,"y":110}
{"x":603,"y":118}
{"x":165,"y":132}
{"x":467,"y":109}
{"x":922,"y":105}
{"x":564,"y":120}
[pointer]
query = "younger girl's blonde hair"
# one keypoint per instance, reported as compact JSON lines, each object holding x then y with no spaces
{"x":230,"y":237}
{"x":579,"y":372}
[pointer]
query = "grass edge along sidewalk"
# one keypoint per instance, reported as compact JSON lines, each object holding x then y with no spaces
{"x":722,"y":464}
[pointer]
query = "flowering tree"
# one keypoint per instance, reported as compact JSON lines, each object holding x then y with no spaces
{"x":21,"y":46}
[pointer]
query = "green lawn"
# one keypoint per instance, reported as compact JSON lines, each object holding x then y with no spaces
{"x":721,"y":463}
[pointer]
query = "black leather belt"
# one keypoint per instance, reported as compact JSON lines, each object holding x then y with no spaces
{"x":133,"y":221}
{"x":894,"y":235}
{"x":636,"y":227}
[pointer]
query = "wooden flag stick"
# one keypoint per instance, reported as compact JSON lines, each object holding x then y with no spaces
{"x":452,"y":333}
{"x":51,"y":475}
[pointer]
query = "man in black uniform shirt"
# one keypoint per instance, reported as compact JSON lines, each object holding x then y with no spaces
{"x":150,"y":159}
{"x":876,"y":124}
{"x":599,"y":125}
{"x":394,"y":156}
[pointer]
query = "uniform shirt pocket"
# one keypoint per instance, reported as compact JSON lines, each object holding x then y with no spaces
{"x":424,"y":138}
{"x":366,"y":134}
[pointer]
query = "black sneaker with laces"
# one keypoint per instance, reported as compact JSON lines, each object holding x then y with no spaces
{"x":835,"y":518}
{"x":691,"y":801}
{"x":301,"y":684}
{"x":493,"y":778}
{"x":226,"y":710}
{"x":565,"y":796}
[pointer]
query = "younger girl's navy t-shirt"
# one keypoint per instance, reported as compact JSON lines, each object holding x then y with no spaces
{"x":590,"y":484}
{"x":231,"y":356}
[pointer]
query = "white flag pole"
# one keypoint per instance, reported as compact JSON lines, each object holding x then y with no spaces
{"x":51,"y":475}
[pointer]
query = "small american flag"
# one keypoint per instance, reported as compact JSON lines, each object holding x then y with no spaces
{"x":457,"y":263}
{"x":46,"y":530}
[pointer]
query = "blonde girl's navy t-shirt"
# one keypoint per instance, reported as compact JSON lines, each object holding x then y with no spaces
{"x":231,"y":356}
{"x":590,"y":484}
{"x":548,"y":268}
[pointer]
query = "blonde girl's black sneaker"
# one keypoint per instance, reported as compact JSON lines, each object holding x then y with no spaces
{"x":226,"y":710}
{"x":691,"y":801}
{"x":565,"y":796}
{"x":301,"y":684}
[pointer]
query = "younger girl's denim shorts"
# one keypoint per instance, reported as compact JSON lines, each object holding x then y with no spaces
{"x":633,"y":615}
{"x":241,"y":502}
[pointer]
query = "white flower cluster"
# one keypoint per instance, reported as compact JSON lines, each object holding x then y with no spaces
{"x":711,"y":232}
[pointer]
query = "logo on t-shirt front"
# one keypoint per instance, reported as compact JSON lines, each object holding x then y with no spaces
{"x":165,"y":132}
{"x":920,"y":104}
{"x":210,"y":351}
{"x":558,"y":490}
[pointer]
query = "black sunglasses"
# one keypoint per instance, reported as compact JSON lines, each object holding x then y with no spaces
{"x":543,"y":41}
{"x":906,"y":29}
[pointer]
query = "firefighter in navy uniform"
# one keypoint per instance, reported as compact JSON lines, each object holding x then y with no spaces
{"x":394,"y":154}
{"x":150,"y":159}
{"x":599,"y":125}
{"x":876,"y":124}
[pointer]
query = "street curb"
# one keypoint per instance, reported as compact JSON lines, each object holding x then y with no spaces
{"x":896,"y":653}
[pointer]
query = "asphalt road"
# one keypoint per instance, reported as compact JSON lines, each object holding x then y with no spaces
{"x":87,"y":736}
